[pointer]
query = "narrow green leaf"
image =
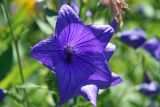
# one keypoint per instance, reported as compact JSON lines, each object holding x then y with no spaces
{"x":50,"y":12}
{"x":6,"y":60}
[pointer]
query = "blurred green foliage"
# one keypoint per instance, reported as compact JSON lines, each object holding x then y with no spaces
{"x":33,"y":21}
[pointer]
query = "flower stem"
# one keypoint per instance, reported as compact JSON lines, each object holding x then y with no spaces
{"x":17,"y":51}
{"x":80,"y":8}
{"x":143,"y":63}
{"x":159,"y":69}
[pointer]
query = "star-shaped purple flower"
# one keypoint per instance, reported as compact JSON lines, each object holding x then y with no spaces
{"x":77,"y":55}
{"x":134,"y":37}
{"x":153,"y":47}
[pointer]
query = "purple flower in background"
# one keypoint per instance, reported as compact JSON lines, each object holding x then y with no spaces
{"x":2,"y":95}
{"x":76,"y":54}
{"x":153,"y":47}
{"x":134,"y":37}
{"x":149,"y":87}
{"x":89,"y":14}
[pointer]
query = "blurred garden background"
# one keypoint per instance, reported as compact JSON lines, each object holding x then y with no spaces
{"x":31,"y":21}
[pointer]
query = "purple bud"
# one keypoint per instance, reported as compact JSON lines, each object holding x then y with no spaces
{"x":150,"y":89}
{"x":153,"y":47}
{"x":134,"y":37}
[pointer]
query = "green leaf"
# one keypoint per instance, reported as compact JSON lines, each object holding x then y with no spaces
{"x":6,"y":60}
{"x":45,"y":28}
{"x":50,"y":12}
{"x":32,"y":86}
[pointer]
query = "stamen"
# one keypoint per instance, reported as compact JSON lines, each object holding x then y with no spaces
{"x":69,"y":51}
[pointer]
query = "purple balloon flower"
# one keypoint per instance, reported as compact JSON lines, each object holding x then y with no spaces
{"x":149,"y":87}
{"x":76,"y":53}
{"x":2,"y":95}
{"x":134,"y":37}
{"x":153,"y":47}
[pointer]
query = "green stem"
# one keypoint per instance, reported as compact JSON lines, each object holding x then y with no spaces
{"x":159,"y":69}
{"x":15,"y":43}
{"x":17,"y":51}
{"x":80,"y":8}
{"x":143,"y":62}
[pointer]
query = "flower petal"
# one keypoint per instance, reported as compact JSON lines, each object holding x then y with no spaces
{"x":104,"y":82}
{"x":72,"y":76}
{"x":81,"y":38}
{"x":103,"y":32}
{"x":90,"y":93}
{"x":102,"y":71}
{"x":101,"y":78}
{"x":90,"y":90}
{"x":67,"y":82}
{"x":46,"y":52}
{"x":101,"y":75}
{"x":115,"y":80}
{"x":109,"y":50}
{"x":66,"y":16}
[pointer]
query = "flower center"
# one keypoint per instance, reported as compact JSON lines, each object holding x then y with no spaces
{"x":69,"y":51}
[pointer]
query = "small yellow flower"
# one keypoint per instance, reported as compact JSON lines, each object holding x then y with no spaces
{"x":85,"y":1}
{"x":28,"y":4}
